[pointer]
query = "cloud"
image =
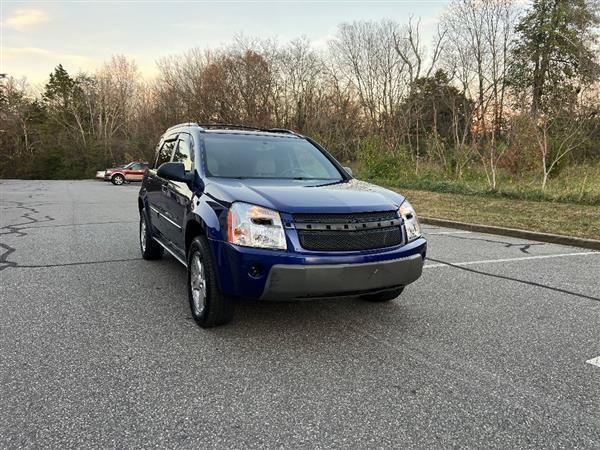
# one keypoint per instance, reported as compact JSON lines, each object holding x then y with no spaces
{"x":23,"y":54}
{"x":36,"y":63}
{"x":25,"y":19}
{"x":323,"y":41}
{"x":430,"y":21}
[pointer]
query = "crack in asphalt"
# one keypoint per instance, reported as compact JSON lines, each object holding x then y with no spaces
{"x":82,"y":263}
{"x":77,"y":225}
{"x":518,"y":280}
{"x":522,"y":247}
{"x":16,"y":229}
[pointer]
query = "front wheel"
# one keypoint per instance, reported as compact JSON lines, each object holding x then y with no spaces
{"x":118,"y":179}
{"x":209,"y":307}
{"x":149,"y":247}
{"x":383,"y":296}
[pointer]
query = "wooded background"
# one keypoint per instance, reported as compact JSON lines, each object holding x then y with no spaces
{"x":504,"y":95}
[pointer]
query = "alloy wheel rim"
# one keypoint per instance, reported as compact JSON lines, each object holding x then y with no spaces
{"x":143,"y":234}
{"x":198,"y":285}
{"x":118,"y":180}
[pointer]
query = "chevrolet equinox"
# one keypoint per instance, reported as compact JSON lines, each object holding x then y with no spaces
{"x":269,"y":214}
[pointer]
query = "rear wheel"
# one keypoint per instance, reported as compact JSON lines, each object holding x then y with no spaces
{"x":208,"y":305}
{"x":383,"y":296}
{"x":149,"y":247}
{"x":118,"y":179}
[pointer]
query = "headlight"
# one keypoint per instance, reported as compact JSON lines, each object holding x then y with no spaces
{"x":255,"y":226}
{"x":411,"y":223}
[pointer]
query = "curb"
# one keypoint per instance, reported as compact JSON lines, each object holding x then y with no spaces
{"x":513,"y":232}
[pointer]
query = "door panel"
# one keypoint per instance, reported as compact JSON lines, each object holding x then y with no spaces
{"x":177,"y":196}
{"x":156,"y":188}
{"x":177,"y":202}
{"x":153,"y":192}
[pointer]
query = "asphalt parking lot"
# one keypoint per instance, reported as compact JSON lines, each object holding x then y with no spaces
{"x":98,"y":349}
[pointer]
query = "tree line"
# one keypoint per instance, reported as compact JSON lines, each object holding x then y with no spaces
{"x":500,"y":87}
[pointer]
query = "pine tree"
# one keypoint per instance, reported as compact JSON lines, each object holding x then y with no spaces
{"x":554,"y":53}
{"x":59,"y":88}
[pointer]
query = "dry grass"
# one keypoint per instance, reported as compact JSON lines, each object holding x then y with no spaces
{"x":557,"y":218}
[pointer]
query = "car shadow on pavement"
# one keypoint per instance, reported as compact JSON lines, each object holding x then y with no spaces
{"x":282,"y":322}
{"x":340,"y":316}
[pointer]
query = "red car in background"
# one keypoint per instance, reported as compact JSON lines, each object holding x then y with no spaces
{"x":134,"y":171}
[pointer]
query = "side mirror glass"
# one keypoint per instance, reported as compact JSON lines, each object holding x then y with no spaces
{"x":349,"y":171}
{"x":174,"y":171}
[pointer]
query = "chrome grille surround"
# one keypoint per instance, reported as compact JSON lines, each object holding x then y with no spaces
{"x":349,"y":232}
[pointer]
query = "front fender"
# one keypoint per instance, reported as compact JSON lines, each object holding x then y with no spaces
{"x":211,"y":215}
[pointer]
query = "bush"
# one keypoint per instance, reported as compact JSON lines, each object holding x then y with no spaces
{"x":377,"y":161}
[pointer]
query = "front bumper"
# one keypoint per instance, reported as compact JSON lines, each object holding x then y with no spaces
{"x":273,"y":275}
{"x":325,"y":280}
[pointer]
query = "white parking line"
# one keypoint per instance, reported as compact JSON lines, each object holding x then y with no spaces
{"x":446,"y":232}
{"x":594,"y":361}
{"x":523,"y":258}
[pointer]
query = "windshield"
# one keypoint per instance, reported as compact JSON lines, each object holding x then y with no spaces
{"x":247,"y":156}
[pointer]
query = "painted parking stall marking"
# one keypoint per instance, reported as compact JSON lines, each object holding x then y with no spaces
{"x":594,"y":361}
{"x":501,"y":260}
{"x":443,"y":233}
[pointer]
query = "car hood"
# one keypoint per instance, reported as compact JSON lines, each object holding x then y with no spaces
{"x":301,"y":196}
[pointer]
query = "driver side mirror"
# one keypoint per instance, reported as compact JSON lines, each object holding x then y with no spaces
{"x":175,"y":171}
{"x":349,"y":171}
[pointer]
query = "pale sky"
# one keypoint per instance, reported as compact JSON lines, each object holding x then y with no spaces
{"x":38,"y":35}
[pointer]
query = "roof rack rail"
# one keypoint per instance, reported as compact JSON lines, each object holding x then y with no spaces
{"x":228,"y":125}
{"x":279,"y":130}
{"x":187,"y":124}
{"x":245,"y":127}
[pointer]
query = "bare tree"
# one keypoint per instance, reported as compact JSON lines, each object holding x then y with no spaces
{"x":300,"y":81}
{"x":407,"y":44}
{"x":557,"y":138}
{"x":117,"y":87}
{"x":479,"y":38}
{"x":363,"y":53}
{"x":17,"y":112}
{"x":416,"y":63}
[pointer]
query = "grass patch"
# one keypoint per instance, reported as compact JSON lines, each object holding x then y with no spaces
{"x":576,"y":184}
{"x":557,"y":218}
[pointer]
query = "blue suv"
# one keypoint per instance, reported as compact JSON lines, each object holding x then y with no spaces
{"x":269,"y":214}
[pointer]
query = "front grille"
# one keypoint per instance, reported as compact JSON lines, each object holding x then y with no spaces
{"x":350,"y":240}
{"x":347,"y":232}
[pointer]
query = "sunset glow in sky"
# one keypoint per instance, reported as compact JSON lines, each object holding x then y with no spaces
{"x":36,"y":36}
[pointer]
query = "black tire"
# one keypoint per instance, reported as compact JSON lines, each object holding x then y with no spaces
{"x":217,"y":308}
{"x":380,"y":297}
{"x":118,"y":179}
{"x":149,"y":247}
